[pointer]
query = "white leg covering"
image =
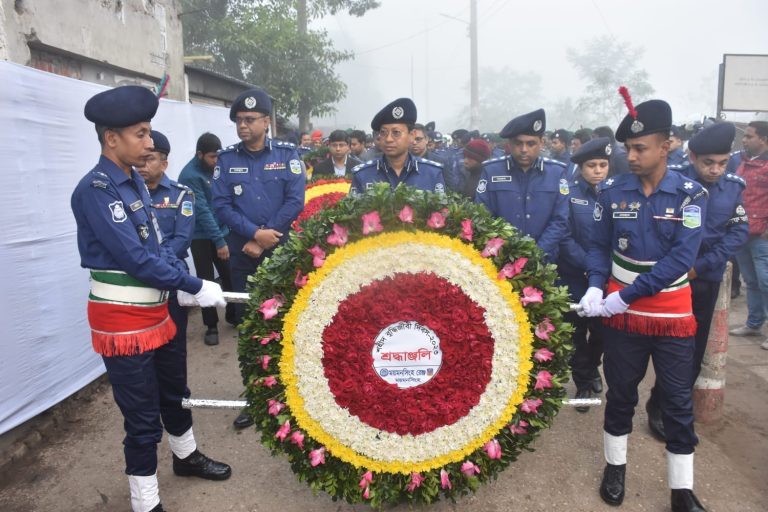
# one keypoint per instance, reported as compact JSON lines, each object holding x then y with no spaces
{"x":680,"y":471}
{"x":615,"y":448}
{"x":182,"y":446}
{"x":144,"y":493}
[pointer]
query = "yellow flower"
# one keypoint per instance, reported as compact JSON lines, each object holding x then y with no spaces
{"x":325,"y":188}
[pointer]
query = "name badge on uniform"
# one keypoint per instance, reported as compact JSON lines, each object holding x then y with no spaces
{"x":582,"y":202}
{"x":186,"y":208}
{"x":369,"y":186}
{"x":136,"y":205}
{"x":118,"y":212}
{"x":238,"y":170}
{"x":501,"y":179}
{"x":238,"y":190}
{"x":624,"y":215}
{"x":692,"y":216}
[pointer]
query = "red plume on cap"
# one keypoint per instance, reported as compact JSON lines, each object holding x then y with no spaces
{"x":628,"y":100}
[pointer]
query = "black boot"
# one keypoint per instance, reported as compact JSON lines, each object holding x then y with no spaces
{"x":211,"y":336}
{"x":243,"y":420}
{"x":612,"y":486}
{"x":157,"y":508}
{"x":197,"y":464}
{"x":655,"y":424}
{"x":583,"y":393}
{"x":597,"y":384}
{"x":683,"y":500}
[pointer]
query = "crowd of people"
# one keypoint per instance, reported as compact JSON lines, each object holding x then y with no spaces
{"x":639,"y":229}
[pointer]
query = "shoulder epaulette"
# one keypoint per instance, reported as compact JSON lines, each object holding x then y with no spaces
{"x":557,"y":162}
{"x":284,"y":144}
{"x":362,"y":166}
{"x":738,"y":179}
{"x":677,"y":167}
{"x":734,"y":153}
{"x":182,"y":187}
{"x":493,"y":160}
{"x":227,"y":149}
{"x":431,"y":162}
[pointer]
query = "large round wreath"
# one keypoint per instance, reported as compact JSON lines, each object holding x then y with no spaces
{"x":357,"y":273}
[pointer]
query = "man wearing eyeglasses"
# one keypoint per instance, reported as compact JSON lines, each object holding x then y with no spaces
{"x":258,"y":191}
{"x":340,"y":162}
{"x":395,"y":127}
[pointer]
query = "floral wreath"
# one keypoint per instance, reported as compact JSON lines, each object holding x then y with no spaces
{"x":321,"y":194}
{"x":365,"y":418}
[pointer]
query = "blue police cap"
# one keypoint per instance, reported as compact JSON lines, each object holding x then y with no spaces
{"x":161,"y":142}
{"x":122,"y":106}
{"x":436,"y":136}
{"x":252,"y":100}
{"x":402,"y":110}
{"x":590,"y":150}
{"x":715,"y":139}
{"x":562,"y":135}
{"x":532,"y":123}
{"x":653,"y":116}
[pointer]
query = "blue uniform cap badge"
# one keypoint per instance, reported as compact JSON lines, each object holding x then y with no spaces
{"x":398,"y":112}
{"x":250,"y":102}
{"x":118,"y":212}
{"x":537,"y":125}
{"x":636,"y":126}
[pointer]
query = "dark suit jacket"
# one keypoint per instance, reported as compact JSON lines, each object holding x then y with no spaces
{"x":326,"y":166}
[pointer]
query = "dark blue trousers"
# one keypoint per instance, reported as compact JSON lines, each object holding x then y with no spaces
{"x":625,"y":362}
{"x":148,"y":388}
{"x":588,"y":349}
{"x":241,"y":266}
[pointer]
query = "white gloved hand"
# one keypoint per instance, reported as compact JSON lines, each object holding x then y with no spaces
{"x":185,"y":299}
{"x":590,"y":302}
{"x":613,"y":305}
{"x":210,"y":295}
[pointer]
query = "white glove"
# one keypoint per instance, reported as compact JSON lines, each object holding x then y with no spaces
{"x":591,"y":301}
{"x":210,"y":295}
{"x":613,"y":305}
{"x":185,"y":299}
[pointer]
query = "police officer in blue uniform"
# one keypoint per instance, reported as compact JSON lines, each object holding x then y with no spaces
{"x":647,"y":232}
{"x":677,"y":156}
{"x":525,"y":189}
{"x":132,"y":269}
{"x":258,"y":191}
{"x":395,"y":127}
{"x":592,"y":160}
{"x":725,"y":232}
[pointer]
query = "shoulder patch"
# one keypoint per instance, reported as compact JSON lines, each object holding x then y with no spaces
{"x":186,"y":208}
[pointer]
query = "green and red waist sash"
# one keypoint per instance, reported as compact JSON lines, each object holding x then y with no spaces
{"x":126,"y":316}
{"x":668,"y":313}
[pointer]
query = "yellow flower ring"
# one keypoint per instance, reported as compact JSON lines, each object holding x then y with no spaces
{"x":357,"y":264}
{"x":322,"y":188}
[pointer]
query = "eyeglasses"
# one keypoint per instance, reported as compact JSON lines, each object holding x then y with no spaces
{"x":247,"y":119}
{"x":396,"y":134}
{"x":419,"y":139}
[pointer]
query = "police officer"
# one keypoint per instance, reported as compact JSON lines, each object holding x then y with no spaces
{"x":725,"y":233}
{"x":394,"y":127}
{"x":648,"y":228}
{"x":592,"y":160}
{"x":677,"y":156}
{"x":258,"y":190}
{"x":527,"y":190}
{"x":132,"y":268}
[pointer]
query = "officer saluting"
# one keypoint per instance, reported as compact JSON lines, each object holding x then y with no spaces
{"x":395,"y":127}
{"x":132,"y":269}
{"x":648,"y":228}
{"x":528,"y":191}
{"x":726,"y":231}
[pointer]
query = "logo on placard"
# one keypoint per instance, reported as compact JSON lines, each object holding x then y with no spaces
{"x":407,"y":354}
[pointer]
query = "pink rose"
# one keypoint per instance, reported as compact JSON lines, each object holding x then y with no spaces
{"x":510,"y":270}
{"x":436,"y":221}
{"x":270,"y":381}
{"x":367,"y":479}
{"x":531,"y":406}
{"x":445,"y":480}
{"x":301,"y":280}
{"x":531,"y":294}
{"x":283,"y":432}
{"x":275,"y":407}
{"x":521,"y":427}
{"x":492,"y":247}
{"x":318,"y":256}
{"x":493,"y":449}
{"x":544,"y":328}
{"x":339,"y":237}
{"x":470,"y":469}
{"x":269,"y":307}
{"x":297,"y":438}
{"x":543,"y":380}
{"x":416,"y":480}
{"x":367,"y":493}
{"x":466,"y":230}
{"x":372,"y":223}
{"x":265,"y":362}
{"x":272,"y":336}
{"x":543,"y":355}
{"x":317,"y":457}
{"x":406,"y":215}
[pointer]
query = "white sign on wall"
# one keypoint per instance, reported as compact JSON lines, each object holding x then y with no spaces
{"x":745,"y":83}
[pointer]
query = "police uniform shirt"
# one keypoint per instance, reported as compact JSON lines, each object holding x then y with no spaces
{"x":535,"y":202}
{"x":117,"y":230}
{"x":665,"y":228}
{"x":174,"y":206}
{"x":726,"y":227}
{"x":572,"y":262}
{"x":258,"y":190}
{"x":417,"y":173}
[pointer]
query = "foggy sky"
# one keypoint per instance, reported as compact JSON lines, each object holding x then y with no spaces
{"x":406,"y":48}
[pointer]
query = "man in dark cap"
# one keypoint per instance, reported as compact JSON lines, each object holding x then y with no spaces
{"x":394,"y":127}
{"x":558,"y":146}
{"x":132,"y":269}
{"x":647,"y":231}
{"x":676,"y":154}
{"x":592,"y":160}
{"x":525,"y":189}
{"x":476,"y":152}
{"x":258,"y":191}
{"x":725,"y":232}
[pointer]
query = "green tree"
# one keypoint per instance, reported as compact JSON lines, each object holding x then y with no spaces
{"x":267,"y":42}
{"x":605,"y":64}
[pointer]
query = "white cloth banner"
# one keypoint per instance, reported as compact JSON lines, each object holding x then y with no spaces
{"x":47,"y":145}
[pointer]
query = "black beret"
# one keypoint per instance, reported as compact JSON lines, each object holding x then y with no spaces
{"x":402,"y":110}
{"x":532,"y":123}
{"x":252,"y":100}
{"x":595,"y":148}
{"x":430,"y":126}
{"x":563,"y":135}
{"x":653,"y":116}
{"x":436,"y":136}
{"x":461,"y":132}
{"x":122,"y":106}
{"x":715,"y":139}
{"x":161,"y":142}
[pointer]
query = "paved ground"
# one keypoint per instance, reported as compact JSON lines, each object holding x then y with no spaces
{"x":78,"y":465}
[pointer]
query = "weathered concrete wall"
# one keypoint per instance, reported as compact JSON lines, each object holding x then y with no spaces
{"x":113,"y":42}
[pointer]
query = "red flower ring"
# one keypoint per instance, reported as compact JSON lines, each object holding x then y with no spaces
{"x":434,"y":303}
{"x":318,"y":203}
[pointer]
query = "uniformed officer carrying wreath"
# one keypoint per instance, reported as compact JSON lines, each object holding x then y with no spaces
{"x":132,"y":269}
{"x":648,"y":228}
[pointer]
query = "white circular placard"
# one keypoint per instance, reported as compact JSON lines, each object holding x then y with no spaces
{"x":407,"y":354}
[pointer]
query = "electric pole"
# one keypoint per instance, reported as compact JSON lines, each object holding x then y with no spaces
{"x":474,"y":107}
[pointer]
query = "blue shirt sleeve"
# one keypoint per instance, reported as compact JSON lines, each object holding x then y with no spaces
{"x":736,"y":235}
{"x":556,"y":228}
{"x":184,"y":225}
{"x":598,"y":256}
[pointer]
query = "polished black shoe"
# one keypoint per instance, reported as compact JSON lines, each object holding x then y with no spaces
{"x":197,"y":464}
{"x":242,"y":421}
{"x":583,"y":393}
{"x":612,"y":486}
{"x":211,"y":336}
{"x":597,"y":384}
{"x":683,"y":500}
{"x":655,"y":424}
{"x":157,"y":508}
